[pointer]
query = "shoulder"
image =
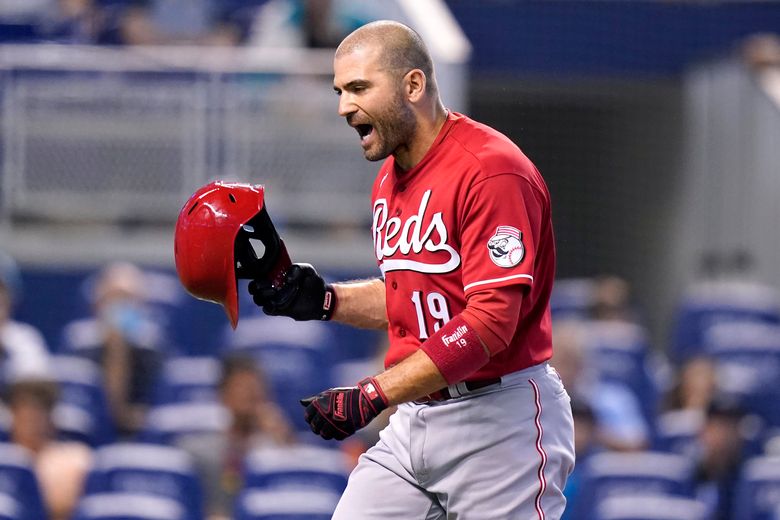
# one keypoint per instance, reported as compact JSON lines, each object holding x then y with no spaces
{"x":491,"y":153}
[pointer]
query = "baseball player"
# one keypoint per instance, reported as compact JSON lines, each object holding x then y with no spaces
{"x":463,"y":237}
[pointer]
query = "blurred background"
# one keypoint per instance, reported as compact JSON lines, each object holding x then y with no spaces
{"x":656,"y":125}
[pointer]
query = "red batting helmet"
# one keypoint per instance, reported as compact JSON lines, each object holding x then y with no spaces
{"x":216,"y":243}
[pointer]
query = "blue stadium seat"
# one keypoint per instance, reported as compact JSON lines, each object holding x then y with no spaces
{"x":619,"y":352}
{"x":713,"y":302}
{"x":10,"y":508}
{"x":758,"y":489}
{"x":165,"y":423}
{"x":82,"y":411}
{"x":188,"y":379}
{"x":147,"y":469}
{"x":647,"y":473}
{"x":677,"y":431}
{"x":296,"y":467}
{"x":128,"y":506}
{"x":747,"y":364}
{"x":294,"y":356}
{"x":650,"y":507}
{"x":17,"y":479}
{"x":281,"y":504}
{"x":572,"y":298}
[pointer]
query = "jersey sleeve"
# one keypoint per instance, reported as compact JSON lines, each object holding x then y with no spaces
{"x":500,"y":230}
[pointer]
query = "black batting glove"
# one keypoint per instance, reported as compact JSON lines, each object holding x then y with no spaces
{"x":303,"y":295}
{"x":337,"y":413}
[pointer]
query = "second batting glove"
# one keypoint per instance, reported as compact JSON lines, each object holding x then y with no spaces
{"x":337,"y":413}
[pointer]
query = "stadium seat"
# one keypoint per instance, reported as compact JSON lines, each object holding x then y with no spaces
{"x":128,"y":506}
{"x":82,"y":411}
{"x":296,"y":467}
{"x":677,"y":431}
{"x":294,"y":357}
{"x":572,"y":298}
{"x":18,"y":480}
{"x":650,"y":507}
{"x":165,"y":423}
{"x":306,"y":504}
{"x":148,"y":470}
{"x":10,"y":509}
{"x":758,"y":489}
{"x":747,"y":364}
{"x":648,"y":473}
{"x":188,"y":379}
{"x":619,"y":352}
{"x":713,"y":302}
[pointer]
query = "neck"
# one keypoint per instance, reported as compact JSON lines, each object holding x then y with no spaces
{"x":428,"y":127}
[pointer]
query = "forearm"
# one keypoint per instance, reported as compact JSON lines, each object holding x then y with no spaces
{"x":492,"y":315}
{"x":412,"y":378}
{"x":361,"y":304}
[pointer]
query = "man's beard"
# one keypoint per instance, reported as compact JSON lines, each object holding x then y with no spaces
{"x":397,"y":127}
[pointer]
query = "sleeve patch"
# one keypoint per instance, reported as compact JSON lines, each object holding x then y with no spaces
{"x":505,"y":247}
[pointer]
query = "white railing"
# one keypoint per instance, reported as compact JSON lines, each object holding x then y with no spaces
{"x":95,"y":138}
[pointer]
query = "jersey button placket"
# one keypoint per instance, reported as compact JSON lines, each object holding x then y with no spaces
{"x":402,"y":332}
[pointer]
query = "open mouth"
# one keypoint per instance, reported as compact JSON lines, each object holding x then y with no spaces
{"x":364,"y":131}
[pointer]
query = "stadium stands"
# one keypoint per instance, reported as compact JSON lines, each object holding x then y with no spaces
{"x":146,"y":469}
{"x":17,"y":480}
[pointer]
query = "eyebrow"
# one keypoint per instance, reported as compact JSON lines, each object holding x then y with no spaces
{"x":352,"y":84}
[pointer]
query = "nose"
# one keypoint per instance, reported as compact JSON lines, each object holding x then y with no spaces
{"x":346,"y":105}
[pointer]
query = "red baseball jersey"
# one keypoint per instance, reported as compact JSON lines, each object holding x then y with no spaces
{"x":473,"y":215}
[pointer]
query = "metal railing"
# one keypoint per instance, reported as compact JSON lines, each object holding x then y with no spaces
{"x":127,"y":134}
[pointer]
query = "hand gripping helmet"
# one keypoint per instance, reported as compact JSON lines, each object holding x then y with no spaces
{"x":224,"y":233}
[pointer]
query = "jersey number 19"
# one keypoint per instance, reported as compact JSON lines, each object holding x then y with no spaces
{"x":437,"y":308}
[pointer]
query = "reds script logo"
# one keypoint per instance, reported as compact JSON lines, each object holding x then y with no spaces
{"x":506,"y":246}
{"x":392,"y":235}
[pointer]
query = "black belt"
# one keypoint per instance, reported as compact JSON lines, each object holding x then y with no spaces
{"x":444,"y":394}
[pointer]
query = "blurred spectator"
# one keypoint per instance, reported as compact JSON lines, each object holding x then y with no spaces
{"x":762,"y":50}
{"x":308,"y":23}
{"x":721,"y":454}
{"x":180,"y":22}
{"x":256,"y":421}
{"x":23,"y":350}
{"x":612,"y":300}
{"x":726,"y":291}
{"x":620,"y":424}
{"x":72,"y":21}
{"x":694,"y":386}
{"x":60,"y":467}
{"x":124,"y":340}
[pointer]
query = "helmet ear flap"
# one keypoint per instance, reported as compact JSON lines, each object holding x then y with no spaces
{"x":213,"y":243}
{"x":259,"y":252}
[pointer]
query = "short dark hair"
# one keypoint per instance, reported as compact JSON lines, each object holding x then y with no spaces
{"x":42,"y":391}
{"x":235,"y":363}
{"x":403,"y":49}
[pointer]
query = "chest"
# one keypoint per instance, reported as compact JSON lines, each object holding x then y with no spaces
{"x":415,"y":226}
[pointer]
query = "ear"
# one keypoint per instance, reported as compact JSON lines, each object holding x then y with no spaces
{"x":414,"y":85}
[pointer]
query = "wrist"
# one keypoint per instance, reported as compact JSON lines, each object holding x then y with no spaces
{"x":329,"y":302}
{"x":372,"y":391}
